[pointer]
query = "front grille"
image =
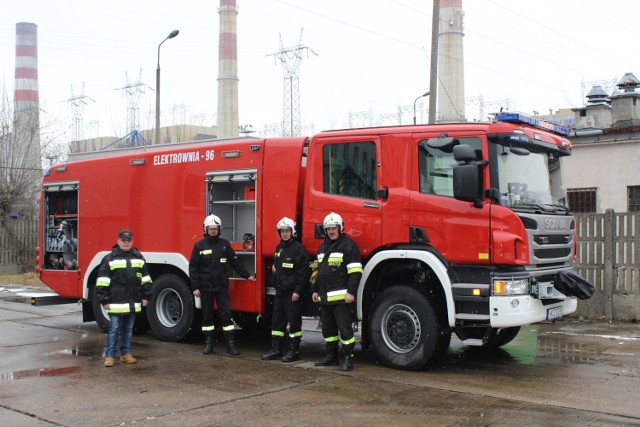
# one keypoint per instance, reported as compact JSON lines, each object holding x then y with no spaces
{"x":552,"y":253}
{"x":552,"y":239}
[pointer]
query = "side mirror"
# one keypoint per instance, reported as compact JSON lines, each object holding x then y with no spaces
{"x":467,"y":184}
{"x":445,"y":144}
{"x":464,"y":153}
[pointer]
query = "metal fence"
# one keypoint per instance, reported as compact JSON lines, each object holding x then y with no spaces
{"x":18,"y":241}
{"x":608,"y":256}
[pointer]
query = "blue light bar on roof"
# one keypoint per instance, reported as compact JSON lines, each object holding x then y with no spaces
{"x":540,"y":124}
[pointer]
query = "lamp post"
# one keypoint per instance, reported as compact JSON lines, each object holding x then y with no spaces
{"x":414,"y":105}
{"x":171,"y":35}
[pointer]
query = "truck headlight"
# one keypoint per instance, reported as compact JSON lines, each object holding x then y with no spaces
{"x":511,"y":286}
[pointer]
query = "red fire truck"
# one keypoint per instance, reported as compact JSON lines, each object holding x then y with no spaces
{"x":462,"y":227}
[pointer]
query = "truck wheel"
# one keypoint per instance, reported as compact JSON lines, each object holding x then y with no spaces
{"x":171,"y":309}
{"x":405,"y":330}
{"x":99,"y":313}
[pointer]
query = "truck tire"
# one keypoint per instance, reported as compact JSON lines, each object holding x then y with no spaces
{"x":406,"y":332}
{"x":99,"y":313}
{"x":171,"y":309}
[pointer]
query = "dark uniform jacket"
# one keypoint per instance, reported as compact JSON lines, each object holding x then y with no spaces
{"x":292,"y":268}
{"x":123,"y":281}
{"x":208,"y":264}
{"x":339,"y":270}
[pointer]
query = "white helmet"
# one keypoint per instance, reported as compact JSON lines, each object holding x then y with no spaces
{"x":212,"y":221}
{"x":285,"y":223}
{"x":332,"y":220}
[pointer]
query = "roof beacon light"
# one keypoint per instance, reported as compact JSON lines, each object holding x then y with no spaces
{"x":530,"y":120}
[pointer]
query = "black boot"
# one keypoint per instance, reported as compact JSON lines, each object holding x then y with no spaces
{"x":276,"y":349}
{"x":294,"y":352}
{"x":231,"y":346}
{"x":347,"y":365}
{"x":331,"y":359}
{"x":208,"y":344}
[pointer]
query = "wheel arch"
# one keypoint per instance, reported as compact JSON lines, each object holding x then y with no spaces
{"x":387,"y":268}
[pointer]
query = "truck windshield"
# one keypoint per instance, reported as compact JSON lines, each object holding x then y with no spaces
{"x":528,"y":180}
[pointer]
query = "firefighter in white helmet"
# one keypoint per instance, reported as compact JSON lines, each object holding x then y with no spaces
{"x":339,"y":273}
{"x":210,"y":281}
{"x":290,"y":277}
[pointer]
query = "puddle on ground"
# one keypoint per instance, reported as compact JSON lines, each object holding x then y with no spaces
{"x":41,"y":372}
{"x":534,"y":345}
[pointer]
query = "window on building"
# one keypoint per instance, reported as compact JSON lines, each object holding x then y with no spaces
{"x":633,"y":196}
{"x":582,"y":200}
{"x":350,"y":169}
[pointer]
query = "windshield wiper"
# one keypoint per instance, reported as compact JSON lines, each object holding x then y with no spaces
{"x":558,"y":206}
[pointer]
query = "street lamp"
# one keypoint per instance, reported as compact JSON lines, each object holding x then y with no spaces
{"x":414,"y":105}
{"x":171,"y":35}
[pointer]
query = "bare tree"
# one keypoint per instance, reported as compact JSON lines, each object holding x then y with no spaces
{"x":20,"y":161}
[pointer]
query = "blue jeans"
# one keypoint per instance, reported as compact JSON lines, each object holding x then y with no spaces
{"x":120,"y":329}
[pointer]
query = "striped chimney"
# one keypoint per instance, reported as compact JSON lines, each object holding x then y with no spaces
{"x":26,"y":111}
{"x":228,"y":122}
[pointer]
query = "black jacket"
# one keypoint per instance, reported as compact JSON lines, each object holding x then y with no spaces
{"x":208,"y":264}
{"x":339,"y":270}
{"x":123,"y":281}
{"x":292,"y":268}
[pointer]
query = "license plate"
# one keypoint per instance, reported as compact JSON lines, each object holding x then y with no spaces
{"x":554,"y":313}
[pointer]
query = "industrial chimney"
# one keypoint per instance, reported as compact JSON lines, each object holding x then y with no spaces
{"x":228,"y":121}
{"x":25,"y":148}
{"x":451,"y":63}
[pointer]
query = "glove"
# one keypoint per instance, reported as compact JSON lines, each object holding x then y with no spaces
{"x":314,"y":272}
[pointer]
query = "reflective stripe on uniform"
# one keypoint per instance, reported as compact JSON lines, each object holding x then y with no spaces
{"x":320,"y":258}
{"x":206,"y":252}
{"x":223,"y":260}
{"x":287,"y":265}
{"x":228,"y":328}
{"x":338,"y":295}
{"x":335,"y":258}
{"x":277,"y":334}
{"x":351,"y":341}
{"x":117,"y":263}
{"x":146,"y":279}
{"x":137,"y":263}
{"x":295,"y":334}
{"x":103,"y":281}
{"x":354,"y":267}
{"x":124,"y":308}
{"x":208,"y":328}
{"x":332,"y":339}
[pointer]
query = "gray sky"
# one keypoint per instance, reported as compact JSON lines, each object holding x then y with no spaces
{"x":372,"y":55}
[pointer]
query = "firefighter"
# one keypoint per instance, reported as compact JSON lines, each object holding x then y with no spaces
{"x":339,"y":271}
{"x":290,"y":275}
{"x":123,"y":287}
{"x":210,"y":281}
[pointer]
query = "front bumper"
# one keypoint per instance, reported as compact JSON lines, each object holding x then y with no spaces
{"x":510,"y":311}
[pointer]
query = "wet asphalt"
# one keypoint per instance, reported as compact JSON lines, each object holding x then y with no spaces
{"x":570,"y":372}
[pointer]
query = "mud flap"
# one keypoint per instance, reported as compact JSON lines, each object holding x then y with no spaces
{"x":572,"y":284}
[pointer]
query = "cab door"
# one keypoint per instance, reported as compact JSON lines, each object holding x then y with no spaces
{"x":345,"y":178}
{"x":457,"y":229}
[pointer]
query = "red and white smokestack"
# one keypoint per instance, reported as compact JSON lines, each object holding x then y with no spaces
{"x":25,"y":95}
{"x":26,"y":151}
{"x":228,"y":121}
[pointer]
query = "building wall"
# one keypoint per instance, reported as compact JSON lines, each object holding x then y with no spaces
{"x":608,"y":163}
